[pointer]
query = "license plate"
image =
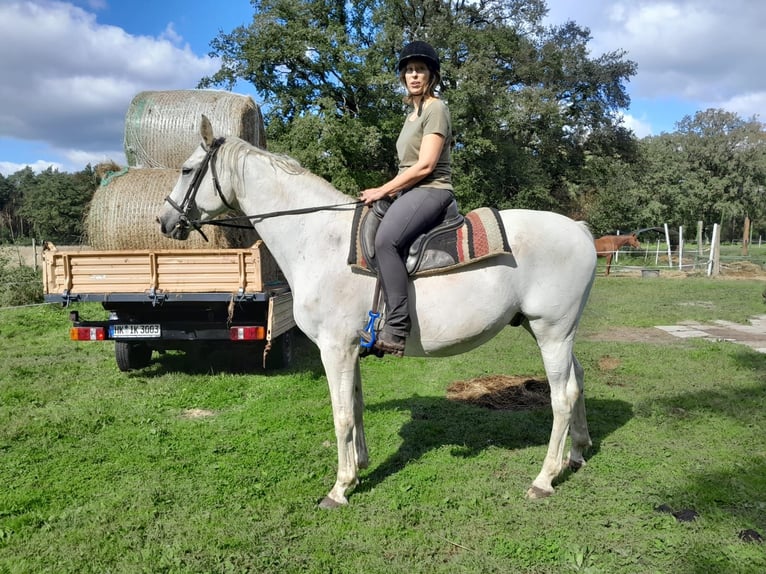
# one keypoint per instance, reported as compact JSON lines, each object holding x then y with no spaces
{"x":134,"y":331}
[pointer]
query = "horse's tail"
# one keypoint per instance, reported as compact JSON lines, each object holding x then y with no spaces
{"x":586,"y":228}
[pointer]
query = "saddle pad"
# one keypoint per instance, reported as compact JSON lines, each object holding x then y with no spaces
{"x":482,"y":235}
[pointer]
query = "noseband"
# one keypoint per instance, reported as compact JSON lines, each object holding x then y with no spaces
{"x":191,"y":192}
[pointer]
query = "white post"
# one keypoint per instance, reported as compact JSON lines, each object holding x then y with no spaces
{"x":657,"y":255}
{"x":714,"y":242}
{"x":680,"y":247}
{"x":667,"y":240}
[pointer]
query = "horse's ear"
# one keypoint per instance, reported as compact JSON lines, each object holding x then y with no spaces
{"x":206,"y":131}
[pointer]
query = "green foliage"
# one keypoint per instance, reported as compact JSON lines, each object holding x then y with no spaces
{"x":712,"y":169}
{"x":46,"y":206}
{"x":19,"y":284}
{"x":56,"y":202}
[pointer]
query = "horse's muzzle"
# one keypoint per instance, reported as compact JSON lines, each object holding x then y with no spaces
{"x":179,"y":230}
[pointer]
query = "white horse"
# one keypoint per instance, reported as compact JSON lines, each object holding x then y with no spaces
{"x":543,"y":286}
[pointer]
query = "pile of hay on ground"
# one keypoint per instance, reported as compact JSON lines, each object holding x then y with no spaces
{"x":124,"y":209}
{"x":162,"y":127}
{"x":500,"y":392}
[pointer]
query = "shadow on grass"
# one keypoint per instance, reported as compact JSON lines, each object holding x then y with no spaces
{"x":232,"y":359}
{"x":437,"y":422}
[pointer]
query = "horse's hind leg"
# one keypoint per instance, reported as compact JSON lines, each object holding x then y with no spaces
{"x":578,"y":429}
{"x":360,"y":442}
{"x":608,"y":263}
{"x":562,"y":371}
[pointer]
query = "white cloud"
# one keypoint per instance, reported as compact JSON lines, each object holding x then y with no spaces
{"x":703,"y":50}
{"x":68,"y":80}
{"x":748,"y":105}
{"x":695,"y":54}
{"x":8,"y":168}
{"x":640,"y":127}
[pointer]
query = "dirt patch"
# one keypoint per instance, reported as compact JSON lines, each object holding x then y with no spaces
{"x":197,"y":414}
{"x":500,"y":392}
{"x":630,"y":335}
{"x":607,"y":363}
{"x":753,"y":335}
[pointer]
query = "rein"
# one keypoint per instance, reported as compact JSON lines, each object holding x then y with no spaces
{"x":261,"y":216}
{"x":191,"y":194}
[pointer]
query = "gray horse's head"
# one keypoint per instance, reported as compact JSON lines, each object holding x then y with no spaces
{"x":197,"y":195}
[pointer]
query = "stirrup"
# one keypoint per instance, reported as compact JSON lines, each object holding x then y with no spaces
{"x":366,"y":344}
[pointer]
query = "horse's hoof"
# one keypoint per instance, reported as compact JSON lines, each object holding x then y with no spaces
{"x":536,"y":493}
{"x":329,"y":503}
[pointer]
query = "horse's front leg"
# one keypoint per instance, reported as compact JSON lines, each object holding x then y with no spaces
{"x":341,"y":365}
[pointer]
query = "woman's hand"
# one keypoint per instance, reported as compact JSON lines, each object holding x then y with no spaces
{"x":372,"y":195}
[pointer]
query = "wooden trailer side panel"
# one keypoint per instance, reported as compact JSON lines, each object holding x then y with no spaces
{"x":173,"y":271}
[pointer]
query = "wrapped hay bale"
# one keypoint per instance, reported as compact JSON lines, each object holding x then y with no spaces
{"x":123,"y":212}
{"x":162,"y":127}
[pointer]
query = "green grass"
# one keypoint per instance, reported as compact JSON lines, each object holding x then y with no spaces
{"x":102,"y":471}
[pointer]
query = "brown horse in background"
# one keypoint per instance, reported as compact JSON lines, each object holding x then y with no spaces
{"x":608,"y":245}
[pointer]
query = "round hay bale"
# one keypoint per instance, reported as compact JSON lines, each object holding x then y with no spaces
{"x":123,"y":213}
{"x":162,"y":127}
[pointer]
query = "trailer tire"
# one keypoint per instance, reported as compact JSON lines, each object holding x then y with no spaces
{"x":131,"y":356}
{"x":281,"y":353}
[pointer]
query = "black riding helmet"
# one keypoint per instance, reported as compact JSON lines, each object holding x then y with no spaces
{"x":422,"y":51}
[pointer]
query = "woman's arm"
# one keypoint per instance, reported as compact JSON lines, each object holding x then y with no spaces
{"x":430,"y":151}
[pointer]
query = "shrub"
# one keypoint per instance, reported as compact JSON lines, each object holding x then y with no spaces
{"x":19,"y":284}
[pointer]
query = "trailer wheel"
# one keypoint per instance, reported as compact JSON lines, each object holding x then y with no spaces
{"x":281,"y":353}
{"x":131,"y":356}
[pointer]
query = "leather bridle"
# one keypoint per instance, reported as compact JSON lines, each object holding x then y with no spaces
{"x":191,"y":192}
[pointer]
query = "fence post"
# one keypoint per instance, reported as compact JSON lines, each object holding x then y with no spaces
{"x":714,"y":263}
{"x":667,"y":239}
{"x":680,"y":247}
{"x":746,"y":236}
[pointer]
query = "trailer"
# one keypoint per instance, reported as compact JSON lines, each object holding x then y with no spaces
{"x":166,"y":299}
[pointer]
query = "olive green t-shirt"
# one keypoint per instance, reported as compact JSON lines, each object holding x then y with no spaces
{"x":435,"y":119}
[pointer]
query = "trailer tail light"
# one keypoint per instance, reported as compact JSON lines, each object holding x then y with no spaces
{"x":87,"y":333}
{"x":247,"y":333}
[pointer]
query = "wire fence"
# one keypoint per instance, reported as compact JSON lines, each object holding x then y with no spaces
{"x":651,"y":261}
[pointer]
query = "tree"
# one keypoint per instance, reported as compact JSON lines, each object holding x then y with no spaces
{"x":55,"y":204}
{"x":16,"y":183}
{"x":712,"y":169}
{"x":6,"y":208}
{"x":524,"y":98}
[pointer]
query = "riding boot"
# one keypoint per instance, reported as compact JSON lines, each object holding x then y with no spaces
{"x":390,"y":343}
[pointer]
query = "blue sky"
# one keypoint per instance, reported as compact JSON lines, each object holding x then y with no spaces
{"x":71,"y":68}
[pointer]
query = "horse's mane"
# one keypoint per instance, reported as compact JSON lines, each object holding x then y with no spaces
{"x":277,"y":161}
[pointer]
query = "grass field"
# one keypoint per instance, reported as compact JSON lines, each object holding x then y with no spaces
{"x":189,"y":466}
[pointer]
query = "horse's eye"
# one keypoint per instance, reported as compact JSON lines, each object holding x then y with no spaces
{"x":186,"y":170}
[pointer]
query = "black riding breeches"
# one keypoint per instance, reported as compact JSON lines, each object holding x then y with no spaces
{"x":412,"y":214}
